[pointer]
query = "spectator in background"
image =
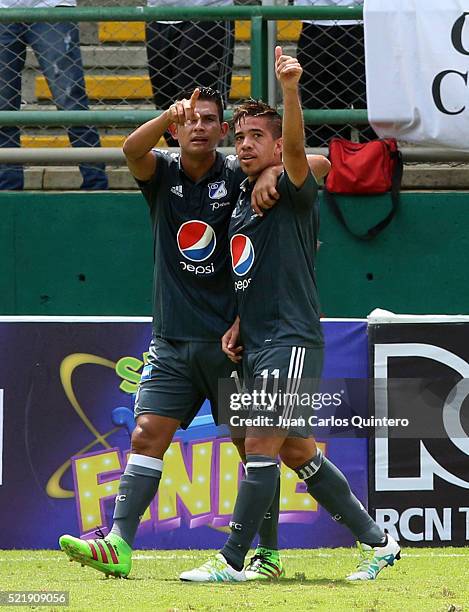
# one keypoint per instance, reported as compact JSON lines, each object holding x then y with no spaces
{"x":332,"y":54}
{"x":57,"y":49}
{"x":183,"y":54}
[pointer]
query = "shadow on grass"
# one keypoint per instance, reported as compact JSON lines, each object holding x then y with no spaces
{"x":260,"y":584}
{"x":340,"y":582}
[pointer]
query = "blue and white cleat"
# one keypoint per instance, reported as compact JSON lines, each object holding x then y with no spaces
{"x":373,"y":560}
{"x":216,"y":569}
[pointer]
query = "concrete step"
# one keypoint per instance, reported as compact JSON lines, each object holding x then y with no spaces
{"x":416,"y":177}
{"x":46,"y":105}
{"x":454,"y":176}
{"x":122,"y":59}
{"x":97,"y":57}
{"x":134,"y":31}
{"x":132,"y":87}
{"x":123,"y":56}
{"x":50,"y":178}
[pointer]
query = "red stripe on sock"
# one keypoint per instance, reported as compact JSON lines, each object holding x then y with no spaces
{"x":112,"y":551}
{"x":93,"y":550}
{"x":103,"y":552}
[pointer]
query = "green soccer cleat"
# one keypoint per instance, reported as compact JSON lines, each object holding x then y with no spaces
{"x":373,"y":560}
{"x":110,"y":555}
{"x":216,"y":569}
{"x":265,"y":565}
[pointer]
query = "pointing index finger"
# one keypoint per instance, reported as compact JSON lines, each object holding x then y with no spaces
{"x":194,"y":97}
{"x":278,"y":52}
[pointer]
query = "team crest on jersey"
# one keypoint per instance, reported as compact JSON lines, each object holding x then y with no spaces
{"x":196,"y":240}
{"x":242,"y":254}
{"x":217,"y":190}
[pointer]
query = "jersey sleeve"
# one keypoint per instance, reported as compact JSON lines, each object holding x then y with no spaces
{"x":300,"y":198}
{"x":150,"y":188}
{"x":236,"y":175}
{"x":232,"y":163}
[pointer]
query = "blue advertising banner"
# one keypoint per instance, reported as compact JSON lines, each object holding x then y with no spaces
{"x":66,"y":397}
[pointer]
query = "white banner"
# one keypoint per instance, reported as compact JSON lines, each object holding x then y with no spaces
{"x":417,"y":70}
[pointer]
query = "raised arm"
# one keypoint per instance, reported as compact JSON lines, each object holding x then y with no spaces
{"x":288,"y":72}
{"x":137,"y":147}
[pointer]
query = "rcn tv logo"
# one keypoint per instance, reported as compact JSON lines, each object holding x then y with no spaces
{"x":451,"y":412}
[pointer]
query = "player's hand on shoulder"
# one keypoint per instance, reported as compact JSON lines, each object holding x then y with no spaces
{"x":288,"y":69}
{"x":265,"y":194}
{"x":183,"y":110}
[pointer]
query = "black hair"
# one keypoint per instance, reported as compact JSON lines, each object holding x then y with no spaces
{"x":258,"y":108}
{"x":210,"y":94}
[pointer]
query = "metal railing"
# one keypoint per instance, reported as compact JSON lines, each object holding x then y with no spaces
{"x":115,"y":156}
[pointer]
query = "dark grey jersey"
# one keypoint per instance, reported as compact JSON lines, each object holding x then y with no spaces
{"x":193,"y":297}
{"x":273,"y":267}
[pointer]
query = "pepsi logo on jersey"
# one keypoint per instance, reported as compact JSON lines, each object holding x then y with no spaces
{"x":242,"y":259}
{"x":242,"y":254}
{"x":196,"y":241}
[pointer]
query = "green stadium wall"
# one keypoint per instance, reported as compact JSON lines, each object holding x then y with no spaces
{"x":91,"y":254}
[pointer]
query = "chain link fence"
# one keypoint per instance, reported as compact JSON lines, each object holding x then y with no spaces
{"x":332,"y":54}
{"x":137,"y":65}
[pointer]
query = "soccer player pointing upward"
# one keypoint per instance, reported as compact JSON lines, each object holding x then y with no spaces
{"x":190,"y":196}
{"x":273,"y":268}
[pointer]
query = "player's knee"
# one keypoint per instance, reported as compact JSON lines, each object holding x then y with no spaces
{"x":141,"y":442}
{"x":297,"y":451}
{"x":261,"y":446}
{"x":151,"y":438}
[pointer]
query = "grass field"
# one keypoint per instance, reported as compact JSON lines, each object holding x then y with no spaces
{"x":433,"y":580}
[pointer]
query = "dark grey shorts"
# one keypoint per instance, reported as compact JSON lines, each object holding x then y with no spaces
{"x":291,"y":374}
{"x":179,"y":376}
